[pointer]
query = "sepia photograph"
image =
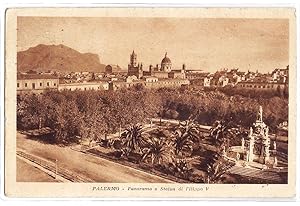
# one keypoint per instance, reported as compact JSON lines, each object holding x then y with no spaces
{"x":165,"y":99}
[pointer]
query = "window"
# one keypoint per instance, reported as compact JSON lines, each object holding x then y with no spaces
{"x":41,"y":84}
{"x":54,"y":84}
{"x":18,"y":85}
{"x":25,"y":84}
{"x":48,"y":84}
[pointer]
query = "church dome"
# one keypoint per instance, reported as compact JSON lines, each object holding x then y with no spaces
{"x":166,"y":60}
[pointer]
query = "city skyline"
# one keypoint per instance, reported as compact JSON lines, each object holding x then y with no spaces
{"x":206,"y":44}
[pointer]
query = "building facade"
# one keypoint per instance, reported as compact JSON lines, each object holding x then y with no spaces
{"x":84,"y":86}
{"x":266,"y":86}
{"x":36,"y":83}
{"x":150,"y":83}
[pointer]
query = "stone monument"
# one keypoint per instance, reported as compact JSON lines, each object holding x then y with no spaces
{"x":259,"y":141}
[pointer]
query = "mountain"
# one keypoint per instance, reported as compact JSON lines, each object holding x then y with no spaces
{"x":57,"y":58}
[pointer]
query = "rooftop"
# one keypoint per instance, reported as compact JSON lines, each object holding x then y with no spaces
{"x":83,"y":83}
{"x":35,"y":76}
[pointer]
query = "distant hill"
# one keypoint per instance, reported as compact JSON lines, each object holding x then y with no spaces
{"x":57,"y":58}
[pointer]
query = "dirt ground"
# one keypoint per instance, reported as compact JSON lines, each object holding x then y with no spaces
{"x":29,"y":173}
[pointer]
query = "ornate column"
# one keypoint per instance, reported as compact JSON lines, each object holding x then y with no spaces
{"x":266,"y":145}
{"x":251,"y":145}
{"x":243,"y":144}
{"x":275,"y":161}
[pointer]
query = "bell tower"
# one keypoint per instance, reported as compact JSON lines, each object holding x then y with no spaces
{"x":135,"y":68}
{"x":133,"y":59}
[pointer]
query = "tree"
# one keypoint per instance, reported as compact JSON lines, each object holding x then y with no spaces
{"x":158,"y":149}
{"x":186,"y":137}
{"x":182,"y":143}
{"x":180,"y":168}
{"x":132,"y":139}
{"x":190,"y":129}
{"x":67,"y":122}
{"x":220,"y":134}
{"x":215,"y":163}
{"x":217,"y":169}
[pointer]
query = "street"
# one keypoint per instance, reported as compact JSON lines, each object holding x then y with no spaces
{"x":95,"y":168}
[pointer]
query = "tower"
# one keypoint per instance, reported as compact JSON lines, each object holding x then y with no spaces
{"x":135,"y":68}
{"x":183,"y":71}
{"x":183,"y":67}
{"x":133,"y":59}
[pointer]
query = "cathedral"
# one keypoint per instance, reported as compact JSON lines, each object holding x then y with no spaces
{"x":164,"y":71}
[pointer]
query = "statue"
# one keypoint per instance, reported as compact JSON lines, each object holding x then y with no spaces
{"x":274,"y":145}
{"x":251,"y":149}
{"x":275,"y":161}
{"x":247,"y":156}
{"x":266,"y":132}
{"x":251,"y":131}
{"x":243,"y":143}
{"x":224,"y":150}
{"x":266,"y":149}
{"x":259,"y":115}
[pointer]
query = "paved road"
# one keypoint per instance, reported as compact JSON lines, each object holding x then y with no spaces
{"x":29,"y":173}
{"x":268,"y":176}
{"x":98,"y":169}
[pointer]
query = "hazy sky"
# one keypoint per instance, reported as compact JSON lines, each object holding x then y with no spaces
{"x":208,"y":44}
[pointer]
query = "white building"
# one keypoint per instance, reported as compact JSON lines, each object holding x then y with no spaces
{"x":84,"y":86}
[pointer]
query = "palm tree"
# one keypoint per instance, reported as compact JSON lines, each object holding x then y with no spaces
{"x":215,"y":163}
{"x":190,"y":129}
{"x":181,"y":168}
{"x":185,"y":137}
{"x":217,"y":169}
{"x":225,"y":135}
{"x":132,"y":139}
{"x":182,"y":143}
{"x":221,"y":134}
{"x":157,"y":149}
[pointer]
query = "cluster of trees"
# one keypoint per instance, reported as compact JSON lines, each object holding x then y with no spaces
{"x":85,"y":114}
{"x":92,"y":114}
{"x":210,"y":106}
{"x":170,"y":153}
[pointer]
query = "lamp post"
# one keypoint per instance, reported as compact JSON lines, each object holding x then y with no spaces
{"x":55,"y":168}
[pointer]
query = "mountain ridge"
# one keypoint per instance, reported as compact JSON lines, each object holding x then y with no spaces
{"x":57,"y":58}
